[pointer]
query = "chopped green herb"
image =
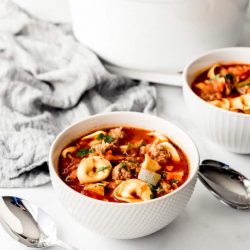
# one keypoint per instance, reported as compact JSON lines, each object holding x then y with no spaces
{"x":152,"y":196}
{"x":173,"y":181}
{"x":102,"y":168}
{"x":123,"y":164}
{"x":106,"y":138}
{"x":91,"y":150}
{"x":143,"y":143}
{"x":153,"y":188}
{"x":229,"y":77}
{"x":82,"y":152}
{"x":100,"y":136}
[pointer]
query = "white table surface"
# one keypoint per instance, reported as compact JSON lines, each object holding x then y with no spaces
{"x":205,"y":224}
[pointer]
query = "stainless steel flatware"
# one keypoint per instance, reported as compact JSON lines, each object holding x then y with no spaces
{"x":229,"y":186}
{"x":29,"y":224}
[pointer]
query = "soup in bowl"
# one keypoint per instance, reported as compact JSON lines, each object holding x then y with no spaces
{"x":216,"y":90}
{"x":123,"y":164}
{"x":123,"y":175}
{"x":226,"y":86}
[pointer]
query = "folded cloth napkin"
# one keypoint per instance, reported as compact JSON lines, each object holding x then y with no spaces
{"x":47,"y":81}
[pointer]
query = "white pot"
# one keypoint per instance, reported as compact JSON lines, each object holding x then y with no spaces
{"x":123,"y":220}
{"x":156,"y":36}
{"x":48,"y":10}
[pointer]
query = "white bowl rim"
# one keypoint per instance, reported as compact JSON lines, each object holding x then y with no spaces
{"x":200,"y":57}
{"x":81,"y":196}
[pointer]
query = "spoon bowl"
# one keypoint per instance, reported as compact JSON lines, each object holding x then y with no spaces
{"x":229,"y":186}
{"x":28,"y":224}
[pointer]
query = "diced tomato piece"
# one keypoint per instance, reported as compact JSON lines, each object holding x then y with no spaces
{"x":73,"y":175}
{"x":170,"y":168}
{"x":175,"y":175}
{"x":110,"y":157}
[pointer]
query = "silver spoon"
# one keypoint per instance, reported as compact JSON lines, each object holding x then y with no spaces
{"x":29,"y":224}
{"x":229,"y":186}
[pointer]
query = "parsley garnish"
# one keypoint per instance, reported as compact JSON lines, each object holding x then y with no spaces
{"x":229,"y":77}
{"x":152,"y":196}
{"x":123,"y":164}
{"x":102,"y":168}
{"x":82,"y":152}
{"x":153,"y":188}
{"x":91,"y":150}
{"x":100,"y":136}
{"x":173,"y":181}
{"x":106,"y":138}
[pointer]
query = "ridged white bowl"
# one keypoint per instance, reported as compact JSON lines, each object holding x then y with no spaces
{"x":226,"y":128}
{"x":123,"y":220}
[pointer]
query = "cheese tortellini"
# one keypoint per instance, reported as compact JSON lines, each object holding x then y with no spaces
{"x":96,"y":188}
{"x":150,"y":164}
{"x":93,"y":169}
{"x":241,"y":103}
{"x":94,"y":135}
{"x":171,"y":149}
{"x":158,"y":136}
{"x":162,"y":141}
{"x":133,"y":190}
{"x":223,"y":103}
{"x":68,"y":150}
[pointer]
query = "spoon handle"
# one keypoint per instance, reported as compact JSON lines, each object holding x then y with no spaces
{"x":64,"y":245}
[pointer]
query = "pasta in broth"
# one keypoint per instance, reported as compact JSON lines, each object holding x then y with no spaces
{"x":123,"y":165}
{"x":225,"y":86}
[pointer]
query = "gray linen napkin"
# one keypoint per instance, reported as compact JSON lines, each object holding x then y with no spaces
{"x":47,"y":81}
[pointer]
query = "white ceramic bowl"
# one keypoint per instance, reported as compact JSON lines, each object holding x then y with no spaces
{"x":229,"y":129}
{"x":123,"y":220}
{"x":149,"y":38}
